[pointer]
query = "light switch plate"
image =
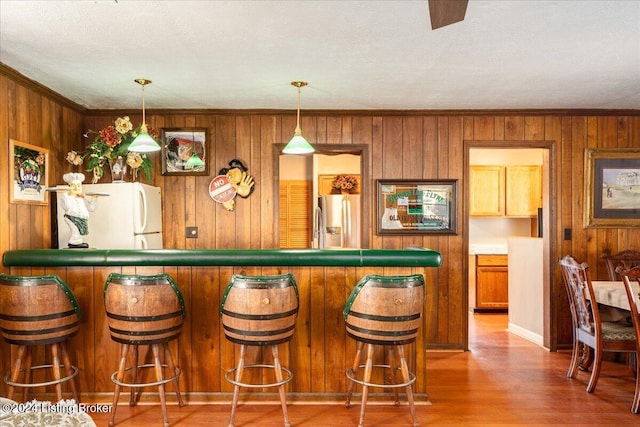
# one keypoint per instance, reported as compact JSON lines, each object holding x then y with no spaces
{"x":192,"y":232}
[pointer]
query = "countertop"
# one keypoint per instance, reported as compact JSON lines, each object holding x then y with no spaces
{"x":488,"y":248}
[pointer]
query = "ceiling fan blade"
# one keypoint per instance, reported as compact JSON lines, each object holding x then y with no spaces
{"x":446,"y":12}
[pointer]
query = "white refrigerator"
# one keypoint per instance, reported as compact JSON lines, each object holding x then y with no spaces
{"x":130,"y":217}
{"x":337,"y":221}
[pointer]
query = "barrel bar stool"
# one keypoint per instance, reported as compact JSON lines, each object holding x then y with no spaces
{"x":144,"y":310}
{"x":259,"y":311}
{"x":38,"y":310}
{"x":385,"y":311}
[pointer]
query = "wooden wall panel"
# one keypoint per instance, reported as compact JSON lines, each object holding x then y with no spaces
{"x":423,"y":145}
{"x":30,"y":116}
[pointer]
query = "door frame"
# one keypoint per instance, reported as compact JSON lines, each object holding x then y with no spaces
{"x":550,"y":303}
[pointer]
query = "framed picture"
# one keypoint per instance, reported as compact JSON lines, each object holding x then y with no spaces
{"x":29,"y":174}
{"x":417,"y":206}
{"x":184,"y":151}
{"x":612,"y":188}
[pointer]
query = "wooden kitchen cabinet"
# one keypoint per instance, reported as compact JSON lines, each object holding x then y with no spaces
{"x":492,"y":282}
{"x":486,"y":193}
{"x":523,"y":190}
{"x":513,"y":191}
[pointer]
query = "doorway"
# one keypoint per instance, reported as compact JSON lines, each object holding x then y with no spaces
{"x":546,"y":306}
{"x":303,"y":178}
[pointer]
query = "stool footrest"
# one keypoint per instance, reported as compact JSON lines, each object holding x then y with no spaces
{"x":352,"y":377}
{"x":229,"y":378}
{"x":44,"y":384}
{"x":139,"y":385}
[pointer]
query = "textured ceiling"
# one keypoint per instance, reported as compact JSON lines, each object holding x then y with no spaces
{"x":354,"y":54}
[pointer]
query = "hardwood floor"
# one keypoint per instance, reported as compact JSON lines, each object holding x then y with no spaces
{"x":503,"y":380}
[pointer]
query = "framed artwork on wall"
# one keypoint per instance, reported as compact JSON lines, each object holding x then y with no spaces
{"x":612,"y":188}
{"x":417,"y":206}
{"x":28,"y":175}
{"x":184,"y":151}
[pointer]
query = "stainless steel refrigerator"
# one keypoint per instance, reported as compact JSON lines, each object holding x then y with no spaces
{"x":130,"y":217}
{"x":337,"y":221}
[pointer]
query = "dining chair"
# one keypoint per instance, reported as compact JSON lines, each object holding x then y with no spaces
{"x":621,"y":261}
{"x":631,"y":279}
{"x":588,"y":328}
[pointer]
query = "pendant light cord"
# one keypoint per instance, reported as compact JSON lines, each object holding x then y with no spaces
{"x":144,"y":121}
{"x":298,"y":131}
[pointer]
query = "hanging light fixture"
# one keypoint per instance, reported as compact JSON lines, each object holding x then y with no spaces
{"x":194,"y":161}
{"x":143,"y":143}
{"x":298,"y":145}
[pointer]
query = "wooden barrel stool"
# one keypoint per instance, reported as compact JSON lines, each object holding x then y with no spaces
{"x":38,"y":310}
{"x":385,"y":311}
{"x":259,"y":311}
{"x":144,"y":310}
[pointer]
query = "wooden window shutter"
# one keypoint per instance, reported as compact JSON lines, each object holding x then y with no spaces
{"x":295,"y":214}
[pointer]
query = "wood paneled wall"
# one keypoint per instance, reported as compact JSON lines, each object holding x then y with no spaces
{"x":33,"y":114}
{"x":413,"y":145}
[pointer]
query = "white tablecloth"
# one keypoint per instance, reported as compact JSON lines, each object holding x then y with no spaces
{"x":612,"y":294}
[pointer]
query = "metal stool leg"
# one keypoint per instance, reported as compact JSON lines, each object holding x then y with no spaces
{"x":67,"y":365}
{"x":119,"y":377}
{"x":367,"y":379}
{"x":279,"y":377}
{"x":172,"y":368}
{"x":406,"y":377}
{"x":238,"y":379}
{"x":158,"y":368}
{"x":354,"y":368}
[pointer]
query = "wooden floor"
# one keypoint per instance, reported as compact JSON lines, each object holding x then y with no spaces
{"x":503,"y":380}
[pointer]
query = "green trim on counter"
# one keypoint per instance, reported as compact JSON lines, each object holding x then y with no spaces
{"x":410,"y":257}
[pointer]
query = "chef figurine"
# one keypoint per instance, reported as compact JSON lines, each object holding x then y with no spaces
{"x":77,"y":209}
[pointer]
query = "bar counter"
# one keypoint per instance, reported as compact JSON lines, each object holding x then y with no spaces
{"x":411,"y":257}
{"x":318,"y":354}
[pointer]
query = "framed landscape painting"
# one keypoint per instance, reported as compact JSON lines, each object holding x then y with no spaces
{"x":612,"y":188}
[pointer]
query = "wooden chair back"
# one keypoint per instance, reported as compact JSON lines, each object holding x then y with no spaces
{"x":631,"y":279}
{"x":385,"y":309}
{"x":586,"y":316}
{"x":143,"y":310}
{"x":260,"y":310}
{"x":621,"y":261}
{"x":37,"y":310}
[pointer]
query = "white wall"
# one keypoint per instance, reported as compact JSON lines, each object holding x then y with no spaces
{"x":526,"y":316}
{"x":502,"y":156}
{"x":294,"y":167}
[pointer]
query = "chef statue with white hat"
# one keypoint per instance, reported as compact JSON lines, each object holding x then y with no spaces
{"x":77,"y":209}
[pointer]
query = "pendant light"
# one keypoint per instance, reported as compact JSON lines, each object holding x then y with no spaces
{"x":194,"y":161}
{"x":298,"y":145}
{"x":143,"y":143}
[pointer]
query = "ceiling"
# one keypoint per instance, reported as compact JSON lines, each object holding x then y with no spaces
{"x":356,"y":55}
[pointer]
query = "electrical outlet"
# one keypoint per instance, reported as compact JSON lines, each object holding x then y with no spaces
{"x":567,"y":234}
{"x":192,"y":232}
